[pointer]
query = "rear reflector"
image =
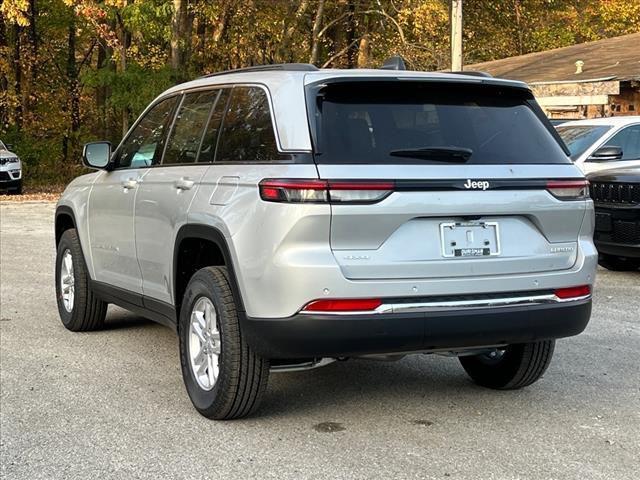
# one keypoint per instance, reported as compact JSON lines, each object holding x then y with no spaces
{"x":343,"y":305}
{"x":569,"y":189}
{"x":323,"y":191}
{"x":573,"y":292}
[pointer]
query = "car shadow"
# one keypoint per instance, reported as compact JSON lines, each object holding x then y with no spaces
{"x":341,"y":390}
{"x":367,"y":383}
{"x":120,"y":319}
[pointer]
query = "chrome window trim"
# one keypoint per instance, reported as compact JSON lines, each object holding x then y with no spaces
{"x":244,"y":84}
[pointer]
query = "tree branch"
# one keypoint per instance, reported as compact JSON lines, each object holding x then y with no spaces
{"x":385,"y":14}
{"x":341,"y":52}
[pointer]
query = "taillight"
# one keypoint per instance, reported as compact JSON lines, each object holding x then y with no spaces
{"x":294,"y":191}
{"x":324,"y":191}
{"x":569,"y":189}
{"x":572,"y":292}
{"x":359,"y":192}
{"x":343,"y":305}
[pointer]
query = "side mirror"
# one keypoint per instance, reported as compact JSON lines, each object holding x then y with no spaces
{"x":96,"y":154}
{"x":9,"y":146}
{"x":606,"y":153}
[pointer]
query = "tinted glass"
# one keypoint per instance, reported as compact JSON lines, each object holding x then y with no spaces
{"x":184,"y":141}
{"x":247,"y":132}
{"x":208,"y":149}
{"x":143,"y":147}
{"x":629,"y":140}
{"x":580,"y":137}
{"x":367,"y":122}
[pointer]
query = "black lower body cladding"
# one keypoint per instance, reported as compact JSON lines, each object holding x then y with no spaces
{"x":304,"y":335}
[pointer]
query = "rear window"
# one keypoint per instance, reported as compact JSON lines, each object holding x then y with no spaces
{"x":580,"y":137}
{"x":410,"y":122}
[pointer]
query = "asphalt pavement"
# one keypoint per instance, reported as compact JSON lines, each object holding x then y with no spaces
{"x":111,"y":404}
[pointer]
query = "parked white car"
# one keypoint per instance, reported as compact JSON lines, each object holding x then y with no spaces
{"x":10,"y":170}
{"x":603,"y":143}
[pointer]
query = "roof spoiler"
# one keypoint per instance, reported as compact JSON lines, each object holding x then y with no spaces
{"x":395,"y":62}
{"x":472,"y":73}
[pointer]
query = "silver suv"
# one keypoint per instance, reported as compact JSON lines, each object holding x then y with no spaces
{"x":10,"y":170}
{"x":283,"y":217}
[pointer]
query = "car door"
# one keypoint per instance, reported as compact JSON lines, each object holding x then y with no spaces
{"x":112,"y":200}
{"x":628,"y":139}
{"x":164,"y":197}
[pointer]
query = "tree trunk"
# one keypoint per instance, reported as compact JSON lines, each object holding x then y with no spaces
{"x":72,"y":73}
{"x":351,"y":34}
{"x":103,"y":91}
{"x":517,"y":6}
{"x":69,"y":141}
{"x":124,"y":38}
{"x":181,"y":26}
{"x":364,"y":46}
{"x":33,"y":40}
{"x":201,"y":34}
{"x":17,"y":72}
{"x":222,"y":22}
{"x":4,"y":83}
{"x":315,"y":40}
{"x":285,"y":53}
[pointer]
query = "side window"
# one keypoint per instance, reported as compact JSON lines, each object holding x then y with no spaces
{"x":184,"y":139}
{"x":629,"y":140}
{"x":208,"y":149}
{"x":143,"y":147}
{"x":247,"y":131}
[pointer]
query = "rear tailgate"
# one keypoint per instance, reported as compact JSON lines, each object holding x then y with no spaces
{"x":409,"y":233}
{"x":469,"y":167}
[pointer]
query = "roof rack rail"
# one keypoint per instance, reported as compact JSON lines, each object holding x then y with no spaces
{"x":285,"y":67}
{"x":472,"y":73}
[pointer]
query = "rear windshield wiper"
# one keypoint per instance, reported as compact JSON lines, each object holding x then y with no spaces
{"x":440,"y":154}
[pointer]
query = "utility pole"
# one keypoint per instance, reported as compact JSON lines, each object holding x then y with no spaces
{"x":456,"y":35}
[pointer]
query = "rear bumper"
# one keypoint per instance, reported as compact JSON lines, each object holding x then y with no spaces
{"x":304,"y":335}
{"x":618,"y":249}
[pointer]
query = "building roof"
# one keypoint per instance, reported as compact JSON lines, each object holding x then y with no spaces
{"x":615,"y":58}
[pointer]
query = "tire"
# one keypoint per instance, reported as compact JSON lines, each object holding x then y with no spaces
{"x":84,"y":311}
{"x":242,"y":376}
{"x":618,"y":264}
{"x":516,"y":367}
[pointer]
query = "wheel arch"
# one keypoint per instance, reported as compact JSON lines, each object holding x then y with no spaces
{"x":186,"y":260}
{"x":65,"y":219}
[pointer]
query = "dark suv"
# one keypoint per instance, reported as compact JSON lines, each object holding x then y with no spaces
{"x":616,"y":194}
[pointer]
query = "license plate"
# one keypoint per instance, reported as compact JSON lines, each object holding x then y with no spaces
{"x":603,"y":222}
{"x":470,"y":239}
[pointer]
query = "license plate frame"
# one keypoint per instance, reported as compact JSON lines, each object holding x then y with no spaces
{"x":604,"y":222}
{"x":451,"y":232}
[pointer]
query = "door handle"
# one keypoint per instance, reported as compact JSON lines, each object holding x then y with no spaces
{"x":184,"y":184}
{"x":129,"y":184}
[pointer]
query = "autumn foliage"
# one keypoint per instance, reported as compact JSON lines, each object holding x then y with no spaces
{"x":78,"y":70}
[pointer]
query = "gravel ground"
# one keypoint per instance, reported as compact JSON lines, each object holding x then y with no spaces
{"x":111,"y":404}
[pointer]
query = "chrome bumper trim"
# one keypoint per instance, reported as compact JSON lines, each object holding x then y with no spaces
{"x":422,"y":307}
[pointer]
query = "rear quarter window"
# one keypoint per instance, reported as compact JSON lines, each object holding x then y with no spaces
{"x":247,"y":131}
{"x":364,"y":122}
